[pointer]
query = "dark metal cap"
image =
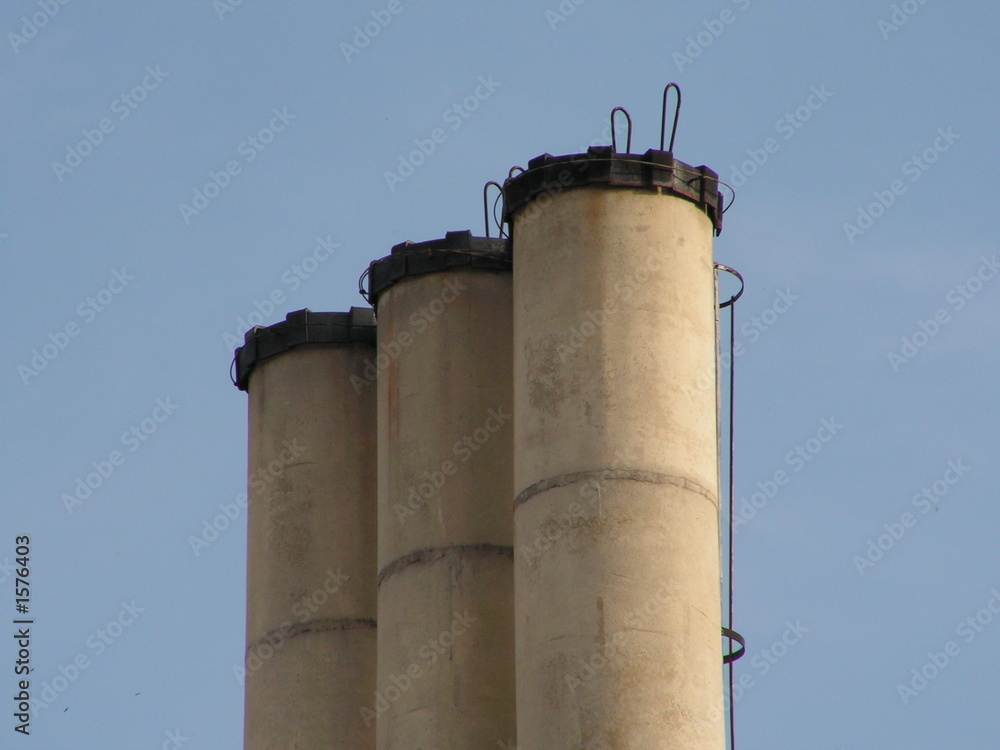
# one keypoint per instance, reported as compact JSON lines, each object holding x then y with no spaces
{"x":301,"y":327}
{"x":601,"y":165}
{"x":455,"y":250}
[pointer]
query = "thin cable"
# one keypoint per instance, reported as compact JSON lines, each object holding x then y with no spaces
{"x":732,"y":391}
{"x":728,"y":632}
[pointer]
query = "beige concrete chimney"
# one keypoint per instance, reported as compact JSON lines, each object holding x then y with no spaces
{"x":617,"y":580}
{"x":311,"y":636}
{"x":445,"y":592}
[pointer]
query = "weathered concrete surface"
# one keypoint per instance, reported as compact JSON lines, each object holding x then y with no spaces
{"x":446,"y":652}
{"x":445,"y":643}
{"x":311,"y":558}
{"x":618,"y":607}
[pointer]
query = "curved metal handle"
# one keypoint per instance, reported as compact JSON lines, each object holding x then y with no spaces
{"x":663,"y":116}
{"x":486,"y":211}
{"x":732,"y":635}
{"x":628,"y":140}
{"x":734,"y":272}
{"x":361,"y":285}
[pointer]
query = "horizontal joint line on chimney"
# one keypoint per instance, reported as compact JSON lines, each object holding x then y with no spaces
{"x":436,"y":553}
{"x":286,"y":631}
{"x":633,"y":475}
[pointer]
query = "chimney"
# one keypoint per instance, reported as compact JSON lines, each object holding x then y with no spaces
{"x":311,"y":641}
{"x":618,"y":607}
{"x":445,"y":484}
{"x":516,"y":472}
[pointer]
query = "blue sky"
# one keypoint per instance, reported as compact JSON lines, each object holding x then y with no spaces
{"x":869,"y":354}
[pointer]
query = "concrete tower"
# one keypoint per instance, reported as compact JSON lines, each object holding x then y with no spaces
{"x":311,"y":636}
{"x":618,"y":609}
{"x":445,"y":526}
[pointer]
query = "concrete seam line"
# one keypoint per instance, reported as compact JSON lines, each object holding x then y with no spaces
{"x":635,"y":475}
{"x":317,"y":626}
{"x":436,"y":553}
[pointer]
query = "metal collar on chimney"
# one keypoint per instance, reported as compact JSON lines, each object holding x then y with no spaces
{"x":454,"y":250}
{"x":298,"y":328}
{"x":601,"y":165}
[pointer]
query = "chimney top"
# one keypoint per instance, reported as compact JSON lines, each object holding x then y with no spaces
{"x":454,"y":250}
{"x":603,"y":166}
{"x":298,"y":328}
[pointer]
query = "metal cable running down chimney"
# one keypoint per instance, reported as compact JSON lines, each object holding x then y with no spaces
{"x":728,"y":631}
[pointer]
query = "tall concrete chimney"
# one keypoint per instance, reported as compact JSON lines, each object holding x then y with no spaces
{"x":311,"y":636}
{"x":445,"y":484}
{"x":617,"y":580}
